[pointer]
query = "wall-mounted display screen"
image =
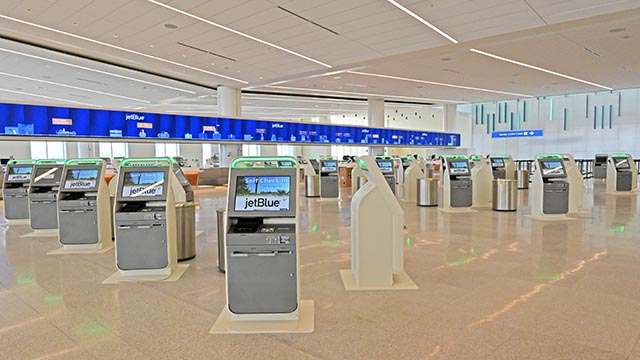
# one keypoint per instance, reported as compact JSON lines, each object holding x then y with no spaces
{"x":143,"y":184}
{"x":47,"y":175}
{"x":36,"y":120}
{"x":81,"y":179}
{"x":621,"y":163}
{"x":553,"y":168}
{"x":19,"y":173}
{"x":262,"y":193}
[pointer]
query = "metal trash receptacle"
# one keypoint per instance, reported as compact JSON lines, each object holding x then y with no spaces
{"x":221,"y":216}
{"x":427,"y":192}
{"x":505,"y":195}
{"x":522,"y":176}
{"x":312,"y":186}
{"x":186,"y":230}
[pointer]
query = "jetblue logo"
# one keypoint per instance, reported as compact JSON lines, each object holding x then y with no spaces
{"x":277,"y":126}
{"x":135,"y":117}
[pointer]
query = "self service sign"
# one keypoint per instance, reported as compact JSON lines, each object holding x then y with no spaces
{"x":516,"y":133}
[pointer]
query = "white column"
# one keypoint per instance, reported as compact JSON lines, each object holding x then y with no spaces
{"x":375,"y":118}
{"x":450,"y":114}
{"x":229,"y":105}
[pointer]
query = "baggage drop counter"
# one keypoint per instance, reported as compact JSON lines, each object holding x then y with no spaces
{"x":16,"y":189}
{"x":84,"y":214}
{"x":43,"y":194}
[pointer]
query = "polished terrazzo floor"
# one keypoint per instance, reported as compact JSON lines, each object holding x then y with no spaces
{"x":491,"y":286}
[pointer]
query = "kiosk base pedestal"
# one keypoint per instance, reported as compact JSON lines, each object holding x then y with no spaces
{"x":457,"y":210}
{"x":623,"y":193}
{"x":17,"y":222}
{"x":303,"y":325}
{"x":82,"y":249}
{"x":38,"y":233}
{"x":400,"y":282}
{"x":328,"y":200}
{"x":118,"y":277}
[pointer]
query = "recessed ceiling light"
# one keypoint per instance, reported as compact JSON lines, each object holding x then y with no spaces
{"x":364,"y":94}
{"x":538,"y":68}
{"x":425,"y":22}
{"x":237,"y":32}
{"x":446,"y":59}
{"x":120,"y":48}
{"x":337,"y":77}
{"x":49,"y":97}
{"x":171,"y":26}
{"x":152,"y":46}
{"x":438,"y":83}
{"x":115,"y":35}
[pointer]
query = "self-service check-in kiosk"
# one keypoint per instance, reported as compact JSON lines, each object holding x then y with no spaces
{"x":377,"y":223}
{"x":43,"y":194}
{"x":600,"y":166}
{"x":329,"y":181}
{"x":84,"y":209}
{"x":481,"y":178}
{"x":311,"y":178}
{"x":622,"y":174}
{"x":457,"y":186}
{"x":185,"y":214}
{"x":502,"y":167}
{"x":16,"y":189}
{"x":262,"y":268}
{"x":412,"y":174}
{"x":550,"y":188}
{"x":145,"y":222}
{"x":385,"y":163}
{"x":576,"y":183}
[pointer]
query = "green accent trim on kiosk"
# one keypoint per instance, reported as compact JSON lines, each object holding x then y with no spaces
{"x":549,"y":156}
{"x":498,"y":156}
{"x":476,"y":158}
{"x":83,"y":162}
{"x":456,"y":157}
{"x":50,"y":161}
{"x":383,"y":157}
{"x":620,"y":155}
{"x":12,"y":162}
{"x":267,"y":162}
{"x":149,"y":162}
{"x":362,"y":164}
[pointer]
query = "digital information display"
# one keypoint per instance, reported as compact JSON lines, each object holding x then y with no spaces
{"x":20,"y":173}
{"x":262,"y":193}
{"x":143,"y":183}
{"x":36,"y":120}
{"x":81,"y":179}
{"x":459,"y":168}
{"x":552,"y":168}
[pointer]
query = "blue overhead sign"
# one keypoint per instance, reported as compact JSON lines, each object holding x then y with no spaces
{"x":515,"y":133}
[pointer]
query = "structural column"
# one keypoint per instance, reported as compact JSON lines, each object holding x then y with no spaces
{"x":375,"y":118}
{"x":450,"y":114}
{"x":229,"y":105}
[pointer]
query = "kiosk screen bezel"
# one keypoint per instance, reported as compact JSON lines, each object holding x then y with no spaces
{"x":456,"y":170}
{"x":386,"y":166}
{"x":39,"y":170}
{"x":271,"y":172}
{"x":23,"y":181}
{"x":68,"y":171}
{"x":548,"y":170}
{"x":142,"y":169}
{"x":617,"y":160}
{"x":497,"y":163}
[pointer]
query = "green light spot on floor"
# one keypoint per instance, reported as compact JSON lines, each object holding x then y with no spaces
{"x":330,"y":242}
{"x":52,"y":299}
{"x":92,"y":331}
{"x":472,"y":251}
{"x":25,"y":279}
{"x":616,"y":229}
{"x":313,"y":228}
{"x":458,"y":262}
{"x":408,"y":240}
{"x":545,"y":278}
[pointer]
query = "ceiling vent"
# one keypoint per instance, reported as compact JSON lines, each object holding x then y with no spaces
{"x":206,"y":51}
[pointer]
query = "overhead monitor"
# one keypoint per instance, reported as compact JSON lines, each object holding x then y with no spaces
{"x":552,"y":168}
{"x":81,"y":179}
{"x":267,"y":193}
{"x":143,"y":184}
{"x":47,"y":175}
{"x":459,"y":167}
{"x":621,"y":163}
{"x":19,"y":173}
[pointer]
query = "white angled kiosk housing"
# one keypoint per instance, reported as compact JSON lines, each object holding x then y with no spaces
{"x":576,"y":184}
{"x":412,"y":174}
{"x":481,"y":178}
{"x":377,"y":225}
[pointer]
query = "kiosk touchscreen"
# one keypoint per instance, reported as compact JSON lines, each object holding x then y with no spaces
{"x":84,"y":209}
{"x":412,"y":174}
{"x":457,"y":186}
{"x":622,"y":174}
{"x":481,"y":178}
{"x":550,"y":188}
{"x":15,"y":190}
{"x":576,"y":183}
{"x":145,"y":219}
{"x":262,"y":275}
{"x":385,"y":163}
{"x":502,"y":167}
{"x":377,"y":223}
{"x":329,"y":181}
{"x":43,"y":194}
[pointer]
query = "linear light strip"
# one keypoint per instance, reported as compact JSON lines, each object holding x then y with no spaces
{"x":121,"y":48}
{"x":74,"y":87}
{"x":538,"y":68}
{"x":49,"y":97}
{"x":365,"y":94}
{"x":97,"y":71}
{"x":437,"y":83}
{"x":238,"y":32}
{"x":425,"y":22}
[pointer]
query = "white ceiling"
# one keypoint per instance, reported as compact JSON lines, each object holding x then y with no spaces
{"x":279,"y":46}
